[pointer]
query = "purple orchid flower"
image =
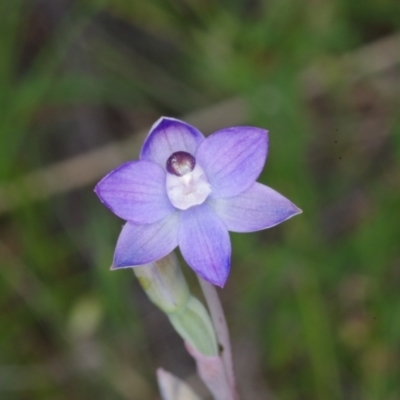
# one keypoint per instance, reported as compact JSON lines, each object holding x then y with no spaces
{"x":189,"y":191}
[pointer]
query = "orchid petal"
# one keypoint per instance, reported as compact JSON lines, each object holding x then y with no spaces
{"x":136,"y":192}
{"x":143,"y":244}
{"x":233,"y":158}
{"x":205,"y":244}
{"x":259,"y":207}
{"x":167,"y":136}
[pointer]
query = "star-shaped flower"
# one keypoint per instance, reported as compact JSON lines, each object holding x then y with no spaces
{"x":189,"y":191}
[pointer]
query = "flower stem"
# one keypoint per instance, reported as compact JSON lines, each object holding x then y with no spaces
{"x":221,"y":330}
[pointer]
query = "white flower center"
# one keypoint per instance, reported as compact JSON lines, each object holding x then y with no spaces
{"x":188,"y":190}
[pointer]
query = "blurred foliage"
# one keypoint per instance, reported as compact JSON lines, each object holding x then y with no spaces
{"x":319,"y":295}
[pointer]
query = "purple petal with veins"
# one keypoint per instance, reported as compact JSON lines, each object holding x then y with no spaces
{"x":204,"y":243}
{"x":136,"y":192}
{"x":143,"y":244}
{"x":259,"y":207}
{"x":168,"y":136}
{"x":233,"y":158}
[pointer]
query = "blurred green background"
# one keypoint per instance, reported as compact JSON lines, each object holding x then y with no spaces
{"x":314,"y":304}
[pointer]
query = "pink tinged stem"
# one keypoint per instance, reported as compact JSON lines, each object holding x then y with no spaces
{"x":212,"y":372}
{"x":221,"y":330}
